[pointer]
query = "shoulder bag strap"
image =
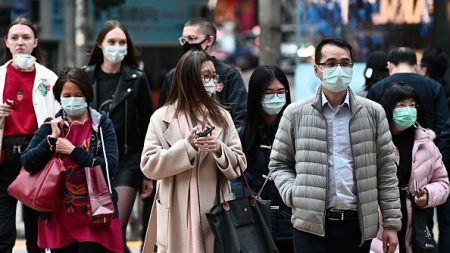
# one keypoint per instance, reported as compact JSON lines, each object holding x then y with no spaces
{"x":106,"y":160}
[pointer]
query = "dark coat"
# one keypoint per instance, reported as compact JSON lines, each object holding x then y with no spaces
{"x":258,"y":165}
{"x":233,"y":94}
{"x":430,"y":92}
{"x":130,"y":111}
{"x":444,"y":145}
{"x":38,"y":152}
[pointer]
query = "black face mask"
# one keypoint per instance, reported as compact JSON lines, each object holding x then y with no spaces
{"x":194,"y":46}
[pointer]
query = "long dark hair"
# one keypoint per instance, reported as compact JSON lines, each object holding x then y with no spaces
{"x":96,"y":56}
{"x":259,"y":80}
{"x":399,"y":91}
{"x":188,"y":93}
{"x":37,"y":52}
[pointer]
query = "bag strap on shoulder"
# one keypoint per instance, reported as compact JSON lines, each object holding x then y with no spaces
{"x":106,"y":160}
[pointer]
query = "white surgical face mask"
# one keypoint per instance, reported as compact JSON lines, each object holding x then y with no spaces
{"x":273,"y":106}
{"x":114,"y":54}
{"x":74,"y":106}
{"x":210,"y":87}
{"x":24,"y":61}
{"x":337,"y":79}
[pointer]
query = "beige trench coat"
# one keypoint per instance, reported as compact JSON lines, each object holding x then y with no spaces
{"x":168,"y":158}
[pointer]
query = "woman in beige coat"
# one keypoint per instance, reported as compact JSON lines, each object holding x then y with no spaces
{"x":189,"y":170}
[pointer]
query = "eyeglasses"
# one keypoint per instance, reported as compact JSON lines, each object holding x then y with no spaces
{"x":189,"y":39}
{"x":278,"y":93}
{"x":332,"y":64}
{"x":207,"y":78}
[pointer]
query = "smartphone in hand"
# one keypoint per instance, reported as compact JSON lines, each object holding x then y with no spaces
{"x":10,"y":103}
{"x":205,"y":132}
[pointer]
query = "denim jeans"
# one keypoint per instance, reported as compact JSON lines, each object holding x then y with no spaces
{"x":340,"y":236}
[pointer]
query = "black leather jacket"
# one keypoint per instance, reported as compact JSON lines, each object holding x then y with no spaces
{"x":130,"y":111}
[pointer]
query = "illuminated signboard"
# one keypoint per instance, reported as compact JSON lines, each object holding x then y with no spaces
{"x":368,"y":25}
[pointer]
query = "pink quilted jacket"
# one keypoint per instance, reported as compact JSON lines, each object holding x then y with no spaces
{"x":429,"y":171}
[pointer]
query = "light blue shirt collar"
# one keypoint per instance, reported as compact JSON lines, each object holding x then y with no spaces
{"x":325,"y":100}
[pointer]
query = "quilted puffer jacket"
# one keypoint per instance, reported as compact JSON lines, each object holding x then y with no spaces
{"x":299,"y":163}
{"x":429,"y":171}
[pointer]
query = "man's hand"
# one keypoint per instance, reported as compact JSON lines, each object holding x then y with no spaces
{"x":390,"y":240}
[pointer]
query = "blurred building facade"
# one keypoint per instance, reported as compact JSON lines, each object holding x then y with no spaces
{"x":67,"y":28}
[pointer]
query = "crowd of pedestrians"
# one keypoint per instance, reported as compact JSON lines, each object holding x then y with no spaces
{"x":346,"y":171}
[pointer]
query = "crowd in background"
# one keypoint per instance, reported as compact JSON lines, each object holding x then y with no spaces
{"x":339,"y":167}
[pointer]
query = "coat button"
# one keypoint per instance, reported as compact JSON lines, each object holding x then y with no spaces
{"x":134,"y":75}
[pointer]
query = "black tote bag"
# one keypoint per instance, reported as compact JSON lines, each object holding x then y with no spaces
{"x":422,"y":240}
{"x":242,"y":225}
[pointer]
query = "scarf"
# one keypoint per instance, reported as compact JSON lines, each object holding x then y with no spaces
{"x":195,"y":235}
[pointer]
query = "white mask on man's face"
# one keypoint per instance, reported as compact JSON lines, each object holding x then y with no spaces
{"x":337,"y":79}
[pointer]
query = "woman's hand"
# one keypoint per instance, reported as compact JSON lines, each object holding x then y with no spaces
{"x":208,"y":144}
{"x":421,"y":200}
{"x":191,"y":136}
{"x":56,"y":125}
{"x":5,"y":110}
{"x":64,"y":146}
{"x":147,"y":188}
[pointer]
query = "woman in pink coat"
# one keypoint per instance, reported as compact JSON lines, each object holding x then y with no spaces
{"x":190,"y":168}
{"x":418,"y":160}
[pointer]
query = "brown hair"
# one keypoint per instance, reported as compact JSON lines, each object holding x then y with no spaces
{"x":37,"y":52}
{"x":188,"y":92}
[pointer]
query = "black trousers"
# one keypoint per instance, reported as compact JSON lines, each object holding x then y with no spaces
{"x":340,"y":236}
{"x":9,"y":169}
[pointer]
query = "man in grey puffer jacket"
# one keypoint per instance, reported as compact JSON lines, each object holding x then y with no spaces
{"x":333,"y":162}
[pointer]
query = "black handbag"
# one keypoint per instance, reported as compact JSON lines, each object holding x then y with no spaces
{"x":242,"y":225}
{"x":422,"y":239}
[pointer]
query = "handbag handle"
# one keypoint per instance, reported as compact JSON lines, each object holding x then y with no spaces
{"x":245,"y":185}
{"x":106,"y":160}
{"x":268,"y":177}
